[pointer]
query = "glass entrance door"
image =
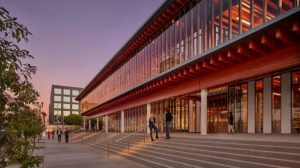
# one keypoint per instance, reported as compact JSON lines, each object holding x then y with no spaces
{"x":217,"y":110}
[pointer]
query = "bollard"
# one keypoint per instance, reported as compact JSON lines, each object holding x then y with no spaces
{"x":81,"y":139}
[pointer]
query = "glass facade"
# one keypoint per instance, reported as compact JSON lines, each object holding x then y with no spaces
{"x":237,"y":105}
{"x":197,"y":28}
{"x":179,"y":109}
{"x":259,"y":106}
{"x":217,"y":109}
{"x":114,"y":122}
{"x":135,"y":119}
{"x":296,"y":102}
{"x":276,"y":104}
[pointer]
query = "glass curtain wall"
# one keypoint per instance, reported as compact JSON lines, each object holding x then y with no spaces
{"x":259,"y":106}
{"x":276,"y":104}
{"x":197,"y":28}
{"x":217,"y":111}
{"x":237,"y":105}
{"x":114,"y":122}
{"x":296,"y":102}
{"x":135,"y":119}
{"x":179,"y":109}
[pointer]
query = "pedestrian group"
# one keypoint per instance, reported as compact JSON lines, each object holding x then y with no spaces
{"x":59,"y":132}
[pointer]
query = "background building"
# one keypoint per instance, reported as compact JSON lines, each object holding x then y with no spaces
{"x":63,"y":103}
{"x":204,"y":59}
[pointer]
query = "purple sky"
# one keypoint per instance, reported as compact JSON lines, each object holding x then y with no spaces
{"x":73,"y":39}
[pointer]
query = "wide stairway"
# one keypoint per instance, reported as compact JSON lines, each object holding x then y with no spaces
{"x":188,"y":150}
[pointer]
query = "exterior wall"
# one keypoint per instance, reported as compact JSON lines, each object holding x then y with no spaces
{"x":261,"y":65}
{"x":283,"y":59}
{"x":190,"y":33}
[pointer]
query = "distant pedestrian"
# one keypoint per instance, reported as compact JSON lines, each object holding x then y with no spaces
{"x":169,"y":118}
{"x":49,"y":134}
{"x":59,"y":132}
{"x":53,"y":133}
{"x":152,"y":126}
{"x":67,"y":136}
{"x":230,"y":123}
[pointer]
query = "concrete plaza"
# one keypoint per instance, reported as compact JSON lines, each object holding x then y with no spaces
{"x":76,"y":155}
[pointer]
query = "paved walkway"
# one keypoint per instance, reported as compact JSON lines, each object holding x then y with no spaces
{"x":78,"y":156}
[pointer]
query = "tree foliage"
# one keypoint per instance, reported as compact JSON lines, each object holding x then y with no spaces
{"x":74,"y":119}
{"x":19,"y":124}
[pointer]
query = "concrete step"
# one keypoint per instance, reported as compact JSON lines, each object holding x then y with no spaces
{"x":152,"y":161}
{"x":192,"y":152}
{"x":220,"y":157}
{"x":279,"y":148}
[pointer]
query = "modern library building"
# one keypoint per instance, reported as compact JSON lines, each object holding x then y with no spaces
{"x":202,"y":60}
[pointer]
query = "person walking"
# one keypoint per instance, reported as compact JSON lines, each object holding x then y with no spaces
{"x":67,"y":136}
{"x":152,"y":126}
{"x":230,"y":123}
{"x":169,"y":118}
{"x":49,"y":134}
{"x":59,"y":132}
{"x":53,"y":133}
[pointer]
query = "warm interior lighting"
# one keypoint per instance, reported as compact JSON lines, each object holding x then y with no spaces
{"x":245,"y":4}
{"x":244,"y":21}
{"x":277,"y":94}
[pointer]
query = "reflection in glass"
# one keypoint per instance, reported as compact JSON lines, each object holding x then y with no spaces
{"x":259,"y":106}
{"x":296,"y":102}
{"x":276,"y":104}
{"x":197,"y":28}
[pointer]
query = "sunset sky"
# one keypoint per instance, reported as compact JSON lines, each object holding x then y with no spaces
{"x":73,"y":39}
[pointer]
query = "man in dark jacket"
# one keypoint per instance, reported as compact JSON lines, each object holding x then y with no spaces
{"x":152,"y":125}
{"x":230,"y":123}
{"x":67,"y":135}
{"x":169,"y":118}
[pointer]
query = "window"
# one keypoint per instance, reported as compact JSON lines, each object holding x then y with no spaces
{"x":67,"y":106}
{"x":57,"y":116}
{"x":75,"y":106}
{"x":66,"y":113}
{"x":57,"y":112}
{"x":57,"y":98}
{"x":57,"y":105}
{"x":67,"y":92}
{"x":75,"y":92}
{"x":75,"y":112}
{"x":57,"y":91}
{"x":73,"y":100}
{"x":67,"y":99}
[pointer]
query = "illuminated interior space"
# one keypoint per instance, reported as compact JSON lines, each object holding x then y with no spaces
{"x":204,"y":59}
